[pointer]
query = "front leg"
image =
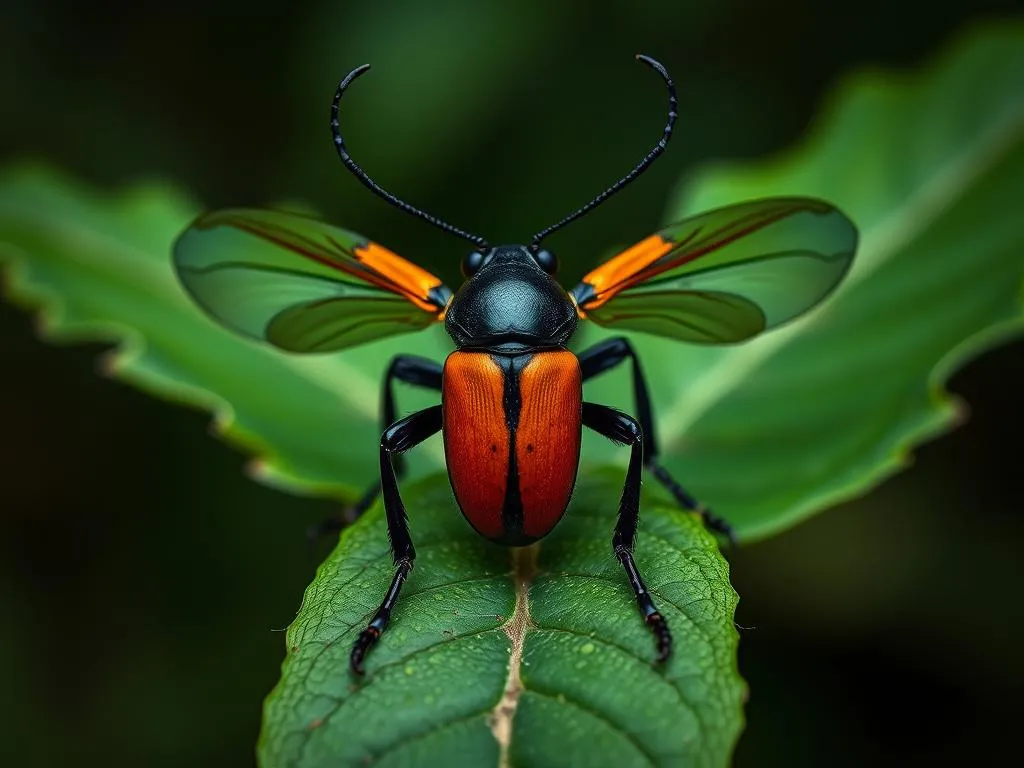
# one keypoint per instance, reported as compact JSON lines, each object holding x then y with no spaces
{"x":399,"y":437}
{"x":607,"y":355}
{"x":625,"y":430}
{"x":411,"y":369}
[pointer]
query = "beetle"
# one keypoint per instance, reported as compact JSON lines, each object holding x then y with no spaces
{"x":512,"y":409}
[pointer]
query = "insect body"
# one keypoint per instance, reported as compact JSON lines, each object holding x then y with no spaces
{"x":512,"y":409}
{"x":516,"y":393}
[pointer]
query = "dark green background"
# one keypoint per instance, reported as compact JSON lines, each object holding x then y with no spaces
{"x":144,"y":581}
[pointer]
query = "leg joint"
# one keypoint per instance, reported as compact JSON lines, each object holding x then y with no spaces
{"x":605,"y":356}
{"x":412,"y":369}
{"x":412,"y":430}
{"x":628,"y":430}
{"x":633,"y":430}
{"x":615,"y":425}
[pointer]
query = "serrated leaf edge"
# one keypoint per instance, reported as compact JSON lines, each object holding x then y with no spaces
{"x":126,"y":361}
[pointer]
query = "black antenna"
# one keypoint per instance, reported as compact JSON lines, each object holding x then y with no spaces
{"x":373,"y":186}
{"x":642,"y":166}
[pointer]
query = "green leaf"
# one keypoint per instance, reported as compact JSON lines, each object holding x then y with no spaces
{"x":444,"y":684}
{"x":100,"y":267}
{"x":931,"y":169}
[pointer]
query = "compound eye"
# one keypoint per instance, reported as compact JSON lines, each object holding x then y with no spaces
{"x":546,"y":260}
{"x":472,"y":263}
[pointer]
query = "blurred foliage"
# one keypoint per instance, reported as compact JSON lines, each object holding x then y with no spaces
{"x":160,"y":558}
{"x":102,"y":268}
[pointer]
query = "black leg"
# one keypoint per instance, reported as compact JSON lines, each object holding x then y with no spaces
{"x":419,"y":371}
{"x":397,"y":438}
{"x":608,"y":354}
{"x":625,"y":430}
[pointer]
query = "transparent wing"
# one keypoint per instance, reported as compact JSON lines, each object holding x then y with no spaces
{"x":725,"y":275}
{"x":301,"y":284}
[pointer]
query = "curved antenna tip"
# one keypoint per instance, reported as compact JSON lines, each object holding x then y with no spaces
{"x":642,"y":166}
{"x":652,"y":63}
{"x":352,"y":76}
{"x":359,"y":173}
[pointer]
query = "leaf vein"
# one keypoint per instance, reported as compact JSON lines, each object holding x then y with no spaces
{"x":564,"y":700}
{"x":634,"y":655}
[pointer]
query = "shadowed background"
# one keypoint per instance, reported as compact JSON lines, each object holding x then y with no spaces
{"x":144,"y":579}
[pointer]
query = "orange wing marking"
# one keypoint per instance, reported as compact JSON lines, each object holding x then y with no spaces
{"x":638,"y":263}
{"x":625,"y":269}
{"x":413,"y":282}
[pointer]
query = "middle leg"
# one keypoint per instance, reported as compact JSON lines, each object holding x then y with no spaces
{"x":398,"y":438}
{"x":625,"y":430}
{"x":607,"y":355}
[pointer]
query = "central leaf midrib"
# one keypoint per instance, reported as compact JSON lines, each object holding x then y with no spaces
{"x":502,"y":718}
